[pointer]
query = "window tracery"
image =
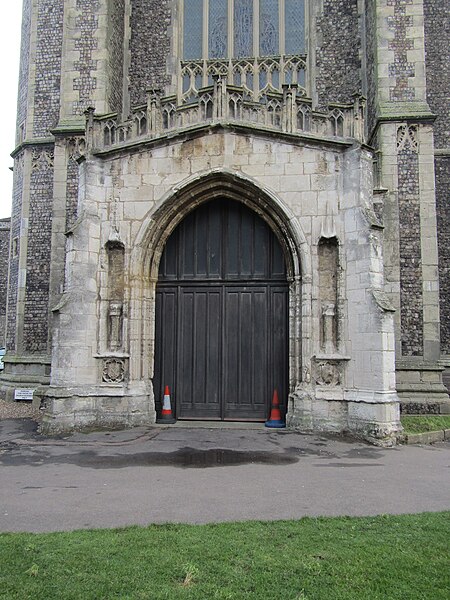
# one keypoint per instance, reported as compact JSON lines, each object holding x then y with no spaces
{"x":257,"y":44}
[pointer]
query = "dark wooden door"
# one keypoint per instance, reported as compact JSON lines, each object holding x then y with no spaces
{"x":221,"y":340}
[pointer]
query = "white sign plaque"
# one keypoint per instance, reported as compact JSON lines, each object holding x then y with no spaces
{"x":23,"y":394}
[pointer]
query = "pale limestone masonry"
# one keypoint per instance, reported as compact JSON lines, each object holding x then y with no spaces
{"x":332,"y":148}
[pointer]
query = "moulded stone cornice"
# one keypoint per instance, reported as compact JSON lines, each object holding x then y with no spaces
{"x":31,"y":144}
{"x":203,"y":129}
{"x":412,"y":112}
{"x":335,"y":357}
{"x":35,"y":359}
{"x":65,"y":128}
{"x":417,"y":363}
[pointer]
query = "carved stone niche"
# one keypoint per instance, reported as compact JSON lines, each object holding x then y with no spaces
{"x":113,"y":370}
{"x":115,"y":325}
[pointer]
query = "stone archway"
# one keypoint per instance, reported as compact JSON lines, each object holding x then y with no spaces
{"x":159,"y":225}
{"x":221,"y":336}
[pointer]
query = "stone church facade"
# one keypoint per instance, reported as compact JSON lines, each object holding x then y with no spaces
{"x":231,"y":197}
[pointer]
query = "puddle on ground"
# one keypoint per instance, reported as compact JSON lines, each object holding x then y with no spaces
{"x":182,"y":458}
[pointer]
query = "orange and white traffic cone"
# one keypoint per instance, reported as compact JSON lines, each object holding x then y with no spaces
{"x":275,"y":421}
{"x":166,"y":413}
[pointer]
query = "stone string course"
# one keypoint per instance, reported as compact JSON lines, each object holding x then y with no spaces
{"x":35,"y":330}
{"x":338,"y":52}
{"x":410,"y":253}
{"x":150,"y":47}
{"x":4,"y":256}
{"x":48,"y":66}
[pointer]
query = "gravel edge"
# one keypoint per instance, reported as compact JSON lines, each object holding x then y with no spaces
{"x":18,"y":410}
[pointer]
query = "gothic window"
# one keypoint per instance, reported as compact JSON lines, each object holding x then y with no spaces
{"x":220,"y":29}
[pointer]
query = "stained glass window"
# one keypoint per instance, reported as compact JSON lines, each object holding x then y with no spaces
{"x":218,"y":29}
{"x":247,"y":17}
{"x":269,"y":25}
{"x":193,"y":29}
{"x":295,"y":26}
{"x":243,"y":28}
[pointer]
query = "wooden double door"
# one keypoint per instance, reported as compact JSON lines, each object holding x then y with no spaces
{"x":221,"y":339}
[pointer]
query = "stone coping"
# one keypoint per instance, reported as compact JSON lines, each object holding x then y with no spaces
{"x":428,"y":437}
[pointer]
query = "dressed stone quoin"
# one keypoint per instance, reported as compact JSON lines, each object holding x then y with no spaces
{"x":228,"y":199}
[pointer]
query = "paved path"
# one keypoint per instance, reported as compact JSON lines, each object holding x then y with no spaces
{"x":198,"y":475}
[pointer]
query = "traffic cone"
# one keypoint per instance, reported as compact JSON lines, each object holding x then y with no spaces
{"x":166,"y":413}
{"x":275,"y":421}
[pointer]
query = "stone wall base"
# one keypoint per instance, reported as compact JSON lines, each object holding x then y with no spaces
{"x":23,"y":373}
{"x":375,"y":422}
{"x":421,"y":390}
{"x":68,"y":409}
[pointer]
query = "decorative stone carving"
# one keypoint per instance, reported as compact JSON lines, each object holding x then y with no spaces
{"x":329,"y":326}
{"x":327,"y":373}
{"x":115,"y":325}
{"x":113,"y":370}
{"x":42,"y":160}
{"x":328,"y":291}
{"x":76,"y":147}
{"x":407,"y":138}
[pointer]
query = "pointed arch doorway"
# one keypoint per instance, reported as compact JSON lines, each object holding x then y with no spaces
{"x":221,"y":337}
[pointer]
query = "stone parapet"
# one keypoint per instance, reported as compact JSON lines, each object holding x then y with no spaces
{"x":288,"y":112}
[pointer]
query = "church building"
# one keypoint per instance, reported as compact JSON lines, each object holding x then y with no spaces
{"x":228,"y":198}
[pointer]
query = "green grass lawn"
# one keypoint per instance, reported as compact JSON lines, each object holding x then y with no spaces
{"x":423,"y":423}
{"x":383,"y":558}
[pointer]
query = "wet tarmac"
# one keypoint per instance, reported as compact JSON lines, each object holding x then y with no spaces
{"x":199,"y":475}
